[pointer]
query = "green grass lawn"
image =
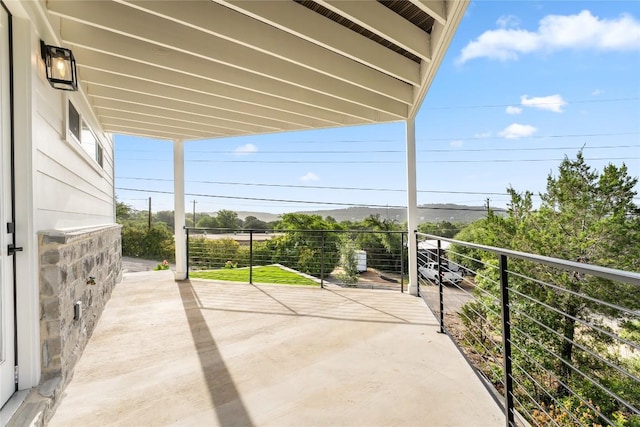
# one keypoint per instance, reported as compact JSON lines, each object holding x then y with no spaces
{"x":261,"y":274}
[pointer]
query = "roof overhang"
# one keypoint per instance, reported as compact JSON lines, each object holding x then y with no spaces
{"x":208,"y":69}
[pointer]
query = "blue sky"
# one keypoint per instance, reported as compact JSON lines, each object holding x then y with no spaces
{"x":524,"y":83}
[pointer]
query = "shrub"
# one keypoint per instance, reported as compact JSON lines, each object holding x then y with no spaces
{"x":218,"y":253}
{"x":164,"y":265}
{"x":138,"y":241}
{"x":349,"y":260}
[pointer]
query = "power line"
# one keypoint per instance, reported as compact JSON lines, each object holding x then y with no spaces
{"x":575,"y":135}
{"x":420,"y":140}
{"x":475,"y":150}
{"x":298,"y":201}
{"x":319,"y":187}
{"x":446,"y":150}
{"x":363,"y":162}
{"x":524,"y":160}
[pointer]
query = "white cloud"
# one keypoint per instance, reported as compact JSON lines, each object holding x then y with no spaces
{"x":310,"y":176}
{"x":483,"y":135}
{"x":551,"y":103}
{"x":513,"y":110}
{"x":516,"y":130}
{"x":506,"y":21}
{"x":456,"y":143}
{"x":246,"y":149}
{"x":555,"y":32}
{"x":597,"y":92}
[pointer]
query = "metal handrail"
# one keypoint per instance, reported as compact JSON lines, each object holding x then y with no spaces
{"x":502,"y":288}
{"x":595,"y":270}
{"x":316,"y":242}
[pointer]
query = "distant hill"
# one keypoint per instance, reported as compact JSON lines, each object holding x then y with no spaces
{"x":262,"y":216}
{"x":426,"y":213}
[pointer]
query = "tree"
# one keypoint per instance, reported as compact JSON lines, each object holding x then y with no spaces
{"x":483,"y":231}
{"x":123,"y":212}
{"x":207,"y":221}
{"x":384,"y":250}
{"x":584,"y":216}
{"x":167,"y":217}
{"x":303,"y":246}
{"x":253,"y":223}
{"x":348,"y":259}
{"x":442,"y":228}
{"x":228,"y":219}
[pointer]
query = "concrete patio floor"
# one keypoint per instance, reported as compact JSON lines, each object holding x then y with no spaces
{"x":201,"y":353}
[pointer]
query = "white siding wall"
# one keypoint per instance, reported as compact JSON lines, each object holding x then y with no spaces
{"x":58,"y":186}
{"x":72,"y":190}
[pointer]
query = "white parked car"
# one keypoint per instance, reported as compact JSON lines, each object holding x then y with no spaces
{"x":430,"y":271}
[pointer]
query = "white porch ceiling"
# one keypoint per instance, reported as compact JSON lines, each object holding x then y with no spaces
{"x":201,"y":69}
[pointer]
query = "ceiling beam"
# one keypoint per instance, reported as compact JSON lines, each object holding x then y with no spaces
{"x":147,"y":102}
{"x":437,"y":9}
{"x":277,"y":114}
{"x":441,"y":36}
{"x":187,"y":132}
{"x":125,"y":107}
{"x":170,"y":121}
{"x":141,"y":134}
{"x":385,"y":23}
{"x":148,"y":132}
{"x":90,"y":44}
{"x":174,"y":86}
{"x":308,"y":25}
{"x":122,"y":100}
{"x":171,"y":35}
{"x":118,"y":99}
{"x":228,"y":24}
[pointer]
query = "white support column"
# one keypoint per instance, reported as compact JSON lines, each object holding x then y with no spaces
{"x":412,"y":205}
{"x":178,"y":194}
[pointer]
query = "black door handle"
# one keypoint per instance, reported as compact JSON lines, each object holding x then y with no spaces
{"x":12,"y":249}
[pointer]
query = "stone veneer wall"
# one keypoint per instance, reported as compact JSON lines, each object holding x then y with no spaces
{"x":68,"y":259}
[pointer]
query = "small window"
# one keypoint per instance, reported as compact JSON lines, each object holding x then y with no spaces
{"x":99,"y":158}
{"x":74,"y":122}
{"x":88,"y":140}
{"x":84,"y":135}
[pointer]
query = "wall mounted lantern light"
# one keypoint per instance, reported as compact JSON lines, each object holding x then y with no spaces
{"x":60,"y":66}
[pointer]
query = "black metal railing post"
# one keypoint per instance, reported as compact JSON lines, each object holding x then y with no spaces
{"x":441,"y":286}
{"x":402,"y":262}
{"x":187,"y":248}
{"x":251,"y":257}
{"x":322,"y":261}
{"x":506,"y":343}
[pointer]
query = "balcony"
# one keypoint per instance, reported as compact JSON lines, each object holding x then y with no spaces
{"x":202,"y":352}
{"x":494,"y":341}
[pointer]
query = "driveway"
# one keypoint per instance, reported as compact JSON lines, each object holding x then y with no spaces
{"x":136,"y":265}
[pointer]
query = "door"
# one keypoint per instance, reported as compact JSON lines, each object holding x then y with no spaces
{"x":7,"y":289}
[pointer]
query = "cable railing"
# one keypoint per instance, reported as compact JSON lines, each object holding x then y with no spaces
{"x":359,"y":258}
{"x":558,"y":342}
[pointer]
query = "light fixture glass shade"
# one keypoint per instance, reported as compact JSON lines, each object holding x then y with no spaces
{"x":60,"y":66}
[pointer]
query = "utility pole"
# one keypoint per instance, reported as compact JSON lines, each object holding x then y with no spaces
{"x":487,"y":206}
{"x":194,"y":212}
{"x":149,"y":213}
